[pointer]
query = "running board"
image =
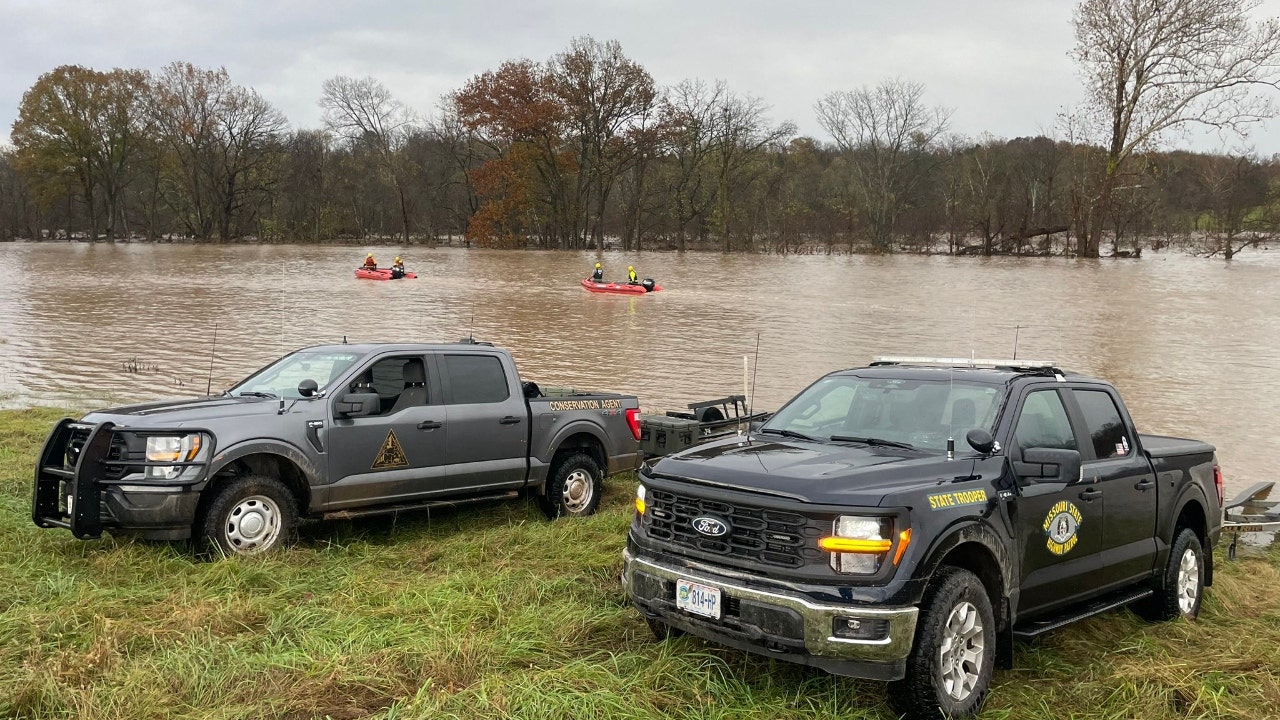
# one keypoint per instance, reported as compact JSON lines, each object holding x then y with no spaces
{"x":1038,"y":627}
{"x":408,"y":507}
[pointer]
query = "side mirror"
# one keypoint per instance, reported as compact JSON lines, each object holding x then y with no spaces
{"x":358,"y":404}
{"x":1049,"y":463}
{"x":980,"y":440}
{"x":308,"y":387}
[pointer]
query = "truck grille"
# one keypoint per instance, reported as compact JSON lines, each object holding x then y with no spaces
{"x":761,"y":535}
{"x":119,"y":451}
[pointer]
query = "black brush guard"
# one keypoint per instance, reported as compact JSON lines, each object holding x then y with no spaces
{"x":71,"y":496}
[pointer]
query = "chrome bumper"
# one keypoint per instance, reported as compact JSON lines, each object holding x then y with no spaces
{"x":817,"y":617}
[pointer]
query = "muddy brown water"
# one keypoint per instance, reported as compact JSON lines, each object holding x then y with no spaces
{"x":1191,"y":343}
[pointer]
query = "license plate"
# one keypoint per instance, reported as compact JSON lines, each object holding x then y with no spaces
{"x":698,"y":599}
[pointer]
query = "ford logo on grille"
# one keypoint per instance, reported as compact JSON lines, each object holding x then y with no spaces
{"x":710,"y":526}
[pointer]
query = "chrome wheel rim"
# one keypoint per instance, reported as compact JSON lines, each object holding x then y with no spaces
{"x":578,"y":489}
{"x":960,"y":654}
{"x":253,"y":525}
{"x":1188,"y":581}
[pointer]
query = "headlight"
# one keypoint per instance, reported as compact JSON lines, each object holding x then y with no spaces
{"x":640,"y":499}
{"x":859,"y":545}
{"x":171,"y":449}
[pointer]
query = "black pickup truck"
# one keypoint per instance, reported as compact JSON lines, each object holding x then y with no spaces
{"x":852,"y":532}
{"x":333,"y":431}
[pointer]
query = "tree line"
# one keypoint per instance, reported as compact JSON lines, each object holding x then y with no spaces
{"x":586,"y":150}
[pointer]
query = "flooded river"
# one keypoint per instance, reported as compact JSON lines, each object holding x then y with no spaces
{"x":1192,"y":343}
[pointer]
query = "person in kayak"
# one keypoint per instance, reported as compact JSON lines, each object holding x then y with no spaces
{"x":397,"y":269}
{"x":598,"y":274}
{"x":632,"y":277}
{"x":370,"y":263}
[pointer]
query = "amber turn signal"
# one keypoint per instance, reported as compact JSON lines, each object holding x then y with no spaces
{"x":904,"y":539}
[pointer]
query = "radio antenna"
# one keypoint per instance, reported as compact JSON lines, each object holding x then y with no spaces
{"x":755,"y":365}
{"x":213,"y":350}
{"x":951,"y":430}
{"x":1016,"y":328}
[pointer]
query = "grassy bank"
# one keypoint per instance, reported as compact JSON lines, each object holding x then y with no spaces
{"x":497,"y":613}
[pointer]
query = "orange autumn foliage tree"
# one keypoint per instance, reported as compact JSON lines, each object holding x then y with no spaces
{"x":515,"y":113}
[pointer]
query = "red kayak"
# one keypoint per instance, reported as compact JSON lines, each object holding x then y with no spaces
{"x":616,"y":288}
{"x":380,"y":274}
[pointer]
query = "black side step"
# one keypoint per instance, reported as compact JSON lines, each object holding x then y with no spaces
{"x":407,"y":507}
{"x":1040,"y":626}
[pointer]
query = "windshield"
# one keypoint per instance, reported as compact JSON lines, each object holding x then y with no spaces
{"x":280,"y":379}
{"x":919,"y":414}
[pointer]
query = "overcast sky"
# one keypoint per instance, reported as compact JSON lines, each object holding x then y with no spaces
{"x":1001,"y":65}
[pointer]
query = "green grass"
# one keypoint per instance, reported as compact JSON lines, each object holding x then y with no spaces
{"x":494,"y":612}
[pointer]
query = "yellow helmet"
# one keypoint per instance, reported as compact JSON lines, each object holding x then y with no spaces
{"x":597,"y":264}
{"x":631,"y":267}
{"x":397,"y":258}
{"x":369,"y":255}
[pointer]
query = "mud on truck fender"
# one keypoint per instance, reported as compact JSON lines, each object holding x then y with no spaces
{"x":963,"y":629}
{"x":574,"y":482}
{"x":253,"y":498}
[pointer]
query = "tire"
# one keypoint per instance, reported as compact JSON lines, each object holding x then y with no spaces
{"x":250,"y":515}
{"x":951,"y":664}
{"x":1182,"y":583}
{"x":574,"y":487}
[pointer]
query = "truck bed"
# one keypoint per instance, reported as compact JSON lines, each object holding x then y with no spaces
{"x":1160,"y":446}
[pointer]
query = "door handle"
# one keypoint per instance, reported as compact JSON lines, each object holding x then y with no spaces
{"x":429,"y":425}
{"x":1145,"y":484}
{"x":509,"y":420}
{"x":1089,"y":494}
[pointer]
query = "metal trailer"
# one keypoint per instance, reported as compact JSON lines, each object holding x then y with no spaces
{"x":705,"y":420}
{"x":1251,"y":512}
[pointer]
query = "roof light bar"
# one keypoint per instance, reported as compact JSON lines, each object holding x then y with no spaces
{"x":961,"y":362}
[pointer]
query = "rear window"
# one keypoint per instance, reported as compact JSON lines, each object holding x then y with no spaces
{"x":476,"y":379}
{"x":1102,"y":419}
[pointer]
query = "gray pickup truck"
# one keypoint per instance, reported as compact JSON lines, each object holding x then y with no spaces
{"x":327,"y":432}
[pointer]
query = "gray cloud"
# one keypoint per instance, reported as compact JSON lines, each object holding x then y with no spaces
{"x":1001,"y":65}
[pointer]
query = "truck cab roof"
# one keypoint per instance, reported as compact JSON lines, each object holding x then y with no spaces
{"x":370,"y":348}
{"x":997,"y":372}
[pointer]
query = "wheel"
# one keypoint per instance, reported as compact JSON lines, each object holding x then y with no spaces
{"x":950,"y":667}
{"x":574,"y":487}
{"x":1182,"y":583}
{"x":250,"y":515}
{"x":662,"y":631}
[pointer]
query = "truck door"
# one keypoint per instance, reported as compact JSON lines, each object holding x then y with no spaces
{"x":1112,"y":462}
{"x":1060,"y":520}
{"x":397,"y":453}
{"x":486,"y":445}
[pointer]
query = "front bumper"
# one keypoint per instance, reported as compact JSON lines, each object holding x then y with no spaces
{"x":777,"y":623}
{"x":103,"y":487}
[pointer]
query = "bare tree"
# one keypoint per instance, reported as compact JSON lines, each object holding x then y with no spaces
{"x":220,"y":141}
{"x":1155,"y":66}
{"x":605,"y":94}
{"x":1238,"y":198}
{"x":883,"y":131}
{"x":364,"y":112}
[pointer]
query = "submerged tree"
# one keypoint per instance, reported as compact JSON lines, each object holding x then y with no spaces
{"x":884,"y":132}
{"x":80,"y":127}
{"x":1155,"y":66}
{"x":364,"y":112}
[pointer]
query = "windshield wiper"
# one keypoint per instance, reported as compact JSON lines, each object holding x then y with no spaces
{"x":255,"y":393}
{"x":872,"y":441}
{"x":790,"y":433}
